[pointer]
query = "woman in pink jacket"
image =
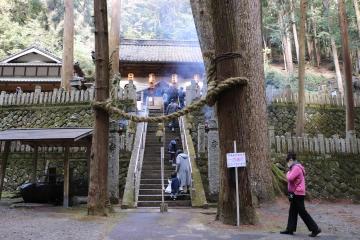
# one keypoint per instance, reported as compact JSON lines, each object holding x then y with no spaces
{"x":296,"y":189}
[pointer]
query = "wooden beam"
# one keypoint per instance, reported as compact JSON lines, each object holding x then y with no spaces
{"x":35,"y":160}
{"x":66,"y":177}
{"x":88,"y":157}
{"x":4,"y":159}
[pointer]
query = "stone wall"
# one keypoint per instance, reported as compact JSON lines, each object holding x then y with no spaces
{"x":50,"y":116}
{"x":329,"y":176}
{"x":46,"y":117}
{"x":320,"y":119}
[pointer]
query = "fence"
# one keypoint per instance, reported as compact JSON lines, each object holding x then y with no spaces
{"x":58,"y":97}
{"x":316,"y":98}
{"x":318,"y":144}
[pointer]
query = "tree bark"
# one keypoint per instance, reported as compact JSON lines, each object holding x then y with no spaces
{"x":99,"y":158}
{"x":289,"y":66}
{"x":114,"y":38}
{"x":301,"y":103}
{"x":317,"y":54}
{"x":296,"y":41}
{"x":357,"y":13}
{"x":349,"y":100}
{"x":241,"y":110}
{"x":309,"y":45}
{"x":339,"y":81}
{"x":67,"y":68}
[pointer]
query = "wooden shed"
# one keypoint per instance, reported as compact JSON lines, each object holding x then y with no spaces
{"x":47,"y":137}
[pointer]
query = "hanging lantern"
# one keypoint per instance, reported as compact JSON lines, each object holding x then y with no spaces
{"x":151,"y":80}
{"x":174,"y":79}
{"x":131,"y":76}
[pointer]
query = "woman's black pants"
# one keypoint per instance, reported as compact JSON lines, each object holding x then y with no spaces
{"x":297,"y":206}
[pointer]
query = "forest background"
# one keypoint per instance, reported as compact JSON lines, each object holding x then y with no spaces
{"x":27,"y":22}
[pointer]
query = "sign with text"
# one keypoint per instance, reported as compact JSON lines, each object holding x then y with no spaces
{"x":236,"y":160}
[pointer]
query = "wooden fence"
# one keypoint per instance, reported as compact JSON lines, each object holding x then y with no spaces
{"x":57,"y":97}
{"x":316,"y":98}
{"x":318,"y":144}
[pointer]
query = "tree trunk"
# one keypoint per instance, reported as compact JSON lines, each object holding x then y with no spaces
{"x":301,"y":103}
{"x":337,"y":65}
{"x":241,"y":110}
{"x":349,"y":100}
{"x":317,"y":54}
{"x":67,"y":68}
{"x":114,"y":38}
{"x":296,"y":41}
{"x":309,"y":45}
{"x":357,"y":13}
{"x":326,"y":4}
{"x":286,"y":44}
{"x":203,"y":23}
{"x":99,"y":158}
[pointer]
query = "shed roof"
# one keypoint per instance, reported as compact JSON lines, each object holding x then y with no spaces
{"x":45,"y":134}
{"x":32,"y":49}
{"x":160,"y":51}
{"x":31,"y":79}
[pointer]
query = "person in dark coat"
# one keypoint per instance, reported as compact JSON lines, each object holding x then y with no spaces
{"x":181,"y":97}
{"x":172,"y":93}
{"x":296,"y":189}
{"x":172,"y":148}
{"x":175,"y":186}
{"x":173,"y":107}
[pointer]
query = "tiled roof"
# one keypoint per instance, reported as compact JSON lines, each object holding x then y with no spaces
{"x":39,"y":64}
{"x":160,"y":51}
{"x":29,"y":79}
{"x":33,"y":48}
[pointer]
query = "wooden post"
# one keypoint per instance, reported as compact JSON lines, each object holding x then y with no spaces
{"x":237,"y":192}
{"x":98,"y":194}
{"x":68,"y":45}
{"x":88,"y":158}
{"x":4,"y":159}
{"x":35,"y":160}
{"x":66,"y":177}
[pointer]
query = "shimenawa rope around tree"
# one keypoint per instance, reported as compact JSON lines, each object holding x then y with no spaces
{"x":214,"y":90}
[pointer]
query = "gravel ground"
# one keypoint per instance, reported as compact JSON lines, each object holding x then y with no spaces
{"x":337,"y":220}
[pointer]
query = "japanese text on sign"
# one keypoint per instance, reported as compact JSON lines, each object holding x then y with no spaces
{"x":236,"y":160}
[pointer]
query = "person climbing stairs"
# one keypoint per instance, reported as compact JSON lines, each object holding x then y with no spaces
{"x":150,"y":182}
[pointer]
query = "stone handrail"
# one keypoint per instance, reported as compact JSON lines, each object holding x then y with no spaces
{"x":58,"y":97}
{"x":128,"y":200}
{"x":198,"y":197}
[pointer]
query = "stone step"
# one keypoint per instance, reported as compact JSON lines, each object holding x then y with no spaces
{"x":154,"y":175}
{"x":157,"y":197}
{"x":172,"y":203}
{"x":152,"y":181}
{"x":146,"y":185}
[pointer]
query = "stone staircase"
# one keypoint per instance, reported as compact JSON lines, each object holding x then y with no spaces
{"x":150,"y":183}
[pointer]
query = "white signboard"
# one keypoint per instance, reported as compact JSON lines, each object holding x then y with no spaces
{"x":235,"y":160}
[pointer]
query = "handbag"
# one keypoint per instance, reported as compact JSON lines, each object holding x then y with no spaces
{"x":291,"y":196}
{"x":168,"y":188}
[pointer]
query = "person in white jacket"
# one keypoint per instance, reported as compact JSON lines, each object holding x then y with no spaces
{"x":183,"y":170}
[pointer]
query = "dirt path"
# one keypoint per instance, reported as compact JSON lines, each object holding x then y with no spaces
{"x":338,"y":221}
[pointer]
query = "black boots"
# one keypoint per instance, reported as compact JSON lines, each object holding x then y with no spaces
{"x":315,"y":233}
{"x":287,"y":232}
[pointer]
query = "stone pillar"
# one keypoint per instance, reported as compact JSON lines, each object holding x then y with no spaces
{"x":113,"y":164}
{"x":130,"y":91}
{"x":271,"y":136}
{"x":2,"y":97}
{"x":201,"y":140}
{"x":213,"y":157}
{"x":37,"y":89}
{"x":130,"y":132}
